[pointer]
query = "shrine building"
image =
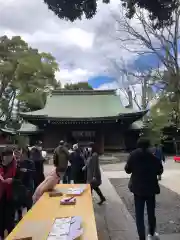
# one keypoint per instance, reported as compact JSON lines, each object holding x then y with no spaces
{"x":85,"y":116}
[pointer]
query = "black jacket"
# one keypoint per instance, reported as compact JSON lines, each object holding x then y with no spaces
{"x":144,"y":168}
{"x":61,"y":158}
{"x":77,"y":163}
{"x":27,"y":178}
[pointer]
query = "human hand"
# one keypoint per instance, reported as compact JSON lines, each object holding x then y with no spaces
{"x":1,"y":179}
{"x":23,"y":169}
{"x":8,"y":180}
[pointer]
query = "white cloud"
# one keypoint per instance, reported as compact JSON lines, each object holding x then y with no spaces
{"x":79,"y":37}
{"x":72,"y":76}
{"x":73,"y":44}
{"x":107,"y":86}
{"x":82,"y":48}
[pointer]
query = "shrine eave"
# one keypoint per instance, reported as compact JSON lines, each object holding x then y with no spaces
{"x":133,"y":116}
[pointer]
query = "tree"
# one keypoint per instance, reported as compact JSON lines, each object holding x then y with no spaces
{"x":160,"y":11}
{"x":78,"y":86}
{"x":159,"y":118}
{"x":129,"y":80}
{"x":142,"y":38}
{"x":72,"y":10}
{"x":25,"y":75}
{"x":163,"y":115}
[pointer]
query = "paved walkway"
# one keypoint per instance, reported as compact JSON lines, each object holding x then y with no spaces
{"x":113,"y":220}
{"x":170,"y":180}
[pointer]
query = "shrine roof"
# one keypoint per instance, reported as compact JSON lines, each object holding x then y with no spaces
{"x":81,"y":104}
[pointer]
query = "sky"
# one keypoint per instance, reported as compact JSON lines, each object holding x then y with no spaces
{"x":84,"y":49}
{"x":81,"y":48}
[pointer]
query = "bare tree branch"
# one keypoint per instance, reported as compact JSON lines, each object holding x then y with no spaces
{"x":161,"y":42}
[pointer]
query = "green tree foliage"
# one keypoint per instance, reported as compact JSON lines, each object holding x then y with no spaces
{"x":25,"y":74}
{"x":160,"y":118}
{"x":160,"y":11}
{"x":78,"y":86}
{"x":164,"y":114}
{"x":74,"y":9}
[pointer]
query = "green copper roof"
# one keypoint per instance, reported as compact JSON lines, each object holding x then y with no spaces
{"x":81,"y":105}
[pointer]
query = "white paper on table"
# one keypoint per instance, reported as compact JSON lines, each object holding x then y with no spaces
{"x":63,"y":220}
{"x":76,"y":191}
{"x":66,"y":229}
{"x":61,"y":227}
{"x":76,"y":223}
{"x":57,"y":238}
{"x":75,"y":228}
{"x":75,"y":234}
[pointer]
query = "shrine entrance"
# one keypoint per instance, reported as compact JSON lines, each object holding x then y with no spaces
{"x":82,"y":137}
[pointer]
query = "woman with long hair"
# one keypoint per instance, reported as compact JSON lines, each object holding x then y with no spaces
{"x":94,"y":173}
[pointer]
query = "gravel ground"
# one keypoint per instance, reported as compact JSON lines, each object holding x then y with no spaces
{"x":168,"y":206}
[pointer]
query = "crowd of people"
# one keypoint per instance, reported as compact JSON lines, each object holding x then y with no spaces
{"x":22,"y":179}
{"x":21,"y":171}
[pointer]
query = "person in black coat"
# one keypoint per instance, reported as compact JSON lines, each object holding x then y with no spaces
{"x":144,"y":168}
{"x":77,"y":164}
{"x":25,"y":173}
{"x":36,"y":157}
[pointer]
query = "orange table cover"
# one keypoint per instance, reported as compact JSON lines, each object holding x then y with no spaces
{"x":38,"y":222}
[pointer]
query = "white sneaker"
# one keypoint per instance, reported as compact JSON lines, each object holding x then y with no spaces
{"x":155,"y":237}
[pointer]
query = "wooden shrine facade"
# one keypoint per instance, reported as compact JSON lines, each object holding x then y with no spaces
{"x":107,"y":123}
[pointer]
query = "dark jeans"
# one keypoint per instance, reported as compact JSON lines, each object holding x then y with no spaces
{"x":7,"y":215}
{"x":67,"y":175}
{"x":28,"y":206}
{"x":98,"y":191}
{"x":139,"y":210}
